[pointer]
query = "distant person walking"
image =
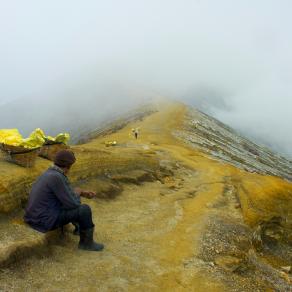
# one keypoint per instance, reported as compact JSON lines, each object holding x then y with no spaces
{"x":135,"y":132}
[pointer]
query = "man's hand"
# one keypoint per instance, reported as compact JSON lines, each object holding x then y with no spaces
{"x":78,"y":191}
{"x":88,"y":194}
{"x":85,"y":194}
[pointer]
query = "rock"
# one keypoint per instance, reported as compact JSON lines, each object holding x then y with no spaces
{"x":105,"y":188}
{"x":135,"y":177}
{"x":172,"y":186}
{"x":284,"y":276}
{"x":109,"y":191}
{"x":286,"y":269}
{"x":32,"y":242}
{"x":256,"y":238}
{"x":228,"y":263}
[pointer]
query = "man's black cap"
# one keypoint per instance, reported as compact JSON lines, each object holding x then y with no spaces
{"x":64,"y":158}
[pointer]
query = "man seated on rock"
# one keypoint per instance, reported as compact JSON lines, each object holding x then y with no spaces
{"x":53,"y":203}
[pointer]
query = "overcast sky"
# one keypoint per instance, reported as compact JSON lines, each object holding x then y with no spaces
{"x":240,"y":49}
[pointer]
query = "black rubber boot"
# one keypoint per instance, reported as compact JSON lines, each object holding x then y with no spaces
{"x":76,"y":231}
{"x":86,"y":241}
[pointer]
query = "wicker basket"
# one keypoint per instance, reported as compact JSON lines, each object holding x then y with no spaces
{"x":19,"y":155}
{"x":49,"y":151}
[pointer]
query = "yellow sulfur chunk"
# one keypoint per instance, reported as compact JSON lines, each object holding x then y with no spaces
{"x":62,"y":138}
{"x":10,"y":137}
{"x":35,"y":139}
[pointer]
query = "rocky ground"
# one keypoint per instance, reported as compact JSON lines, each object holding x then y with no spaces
{"x":172,"y":218}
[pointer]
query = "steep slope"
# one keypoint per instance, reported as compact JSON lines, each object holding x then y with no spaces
{"x":172,"y":217}
{"x":223,"y":143}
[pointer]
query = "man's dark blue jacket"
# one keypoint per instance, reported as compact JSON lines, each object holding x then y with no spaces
{"x":49,"y":195}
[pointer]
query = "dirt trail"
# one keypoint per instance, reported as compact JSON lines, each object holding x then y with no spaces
{"x":153,"y":232}
{"x":149,"y":232}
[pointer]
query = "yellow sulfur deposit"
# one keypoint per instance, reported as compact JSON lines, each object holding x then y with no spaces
{"x":60,"y":138}
{"x":110,"y":143}
{"x":10,"y":137}
{"x":36,"y":139}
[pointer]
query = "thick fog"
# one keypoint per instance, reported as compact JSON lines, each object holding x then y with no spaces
{"x":80,"y":62}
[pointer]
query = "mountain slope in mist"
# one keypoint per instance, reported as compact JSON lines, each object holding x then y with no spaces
{"x":263,"y":128}
{"x":76,"y":111}
{"x":223,"y":143}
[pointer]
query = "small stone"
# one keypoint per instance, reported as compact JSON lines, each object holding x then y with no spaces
{"x":286,"y":269}
{"x":228,"y":263}
{"x":284,"y":276}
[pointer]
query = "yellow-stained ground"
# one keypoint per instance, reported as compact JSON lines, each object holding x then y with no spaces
{"x":261,"y":196}
{"x":153,"y":232}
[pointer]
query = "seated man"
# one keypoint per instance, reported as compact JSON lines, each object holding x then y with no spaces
{"x":53,"y":203}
